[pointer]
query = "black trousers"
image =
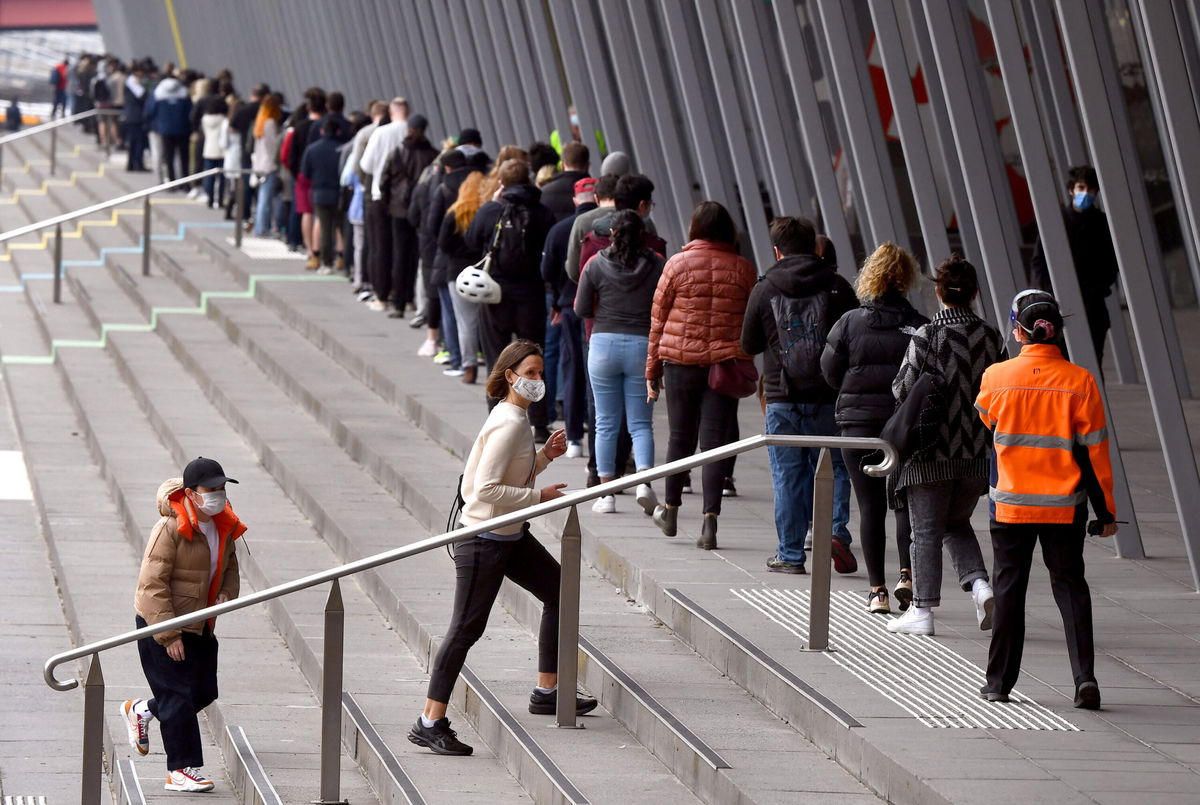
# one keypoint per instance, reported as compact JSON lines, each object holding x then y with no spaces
{"x":572,"y":375}
{"x":379,"y":241}
{"x":480,"y":567}
{"x":697,"y":414}
{"x":175,"y":149}
{"x":405,"y":258}
{"x":181,"y":690}
{"x":330,"y":218}
{"x":871,"y":494}
{"x":1062,"y":550}
{"x":137,"y":147}
{"x":518,"y":315}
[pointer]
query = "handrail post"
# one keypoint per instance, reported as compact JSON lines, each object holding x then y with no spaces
{"x":53,"y":149}
{"x":146,"y":236}
{"x":92,"y":782}
{"x":331,"y":697}
{"x":239,"y":207}
{"x":58,"y":264}
{"x":568,"y":622}
{"x":822,"y":530}
{"x":1,"y":160}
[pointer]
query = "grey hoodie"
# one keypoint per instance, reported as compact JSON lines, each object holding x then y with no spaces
{"x":619,"y":297}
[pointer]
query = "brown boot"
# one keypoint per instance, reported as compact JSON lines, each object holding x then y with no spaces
{"x":312,"y":263}
{"x":469,"y":374}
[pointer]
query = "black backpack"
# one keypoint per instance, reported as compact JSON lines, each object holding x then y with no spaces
{"x":100,"y":93}
{"x":508,"y":248}
{"x":803,"y":327}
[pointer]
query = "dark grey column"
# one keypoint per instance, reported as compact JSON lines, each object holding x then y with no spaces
{"x":478,"y":39}
{"x":464,"y":115}
{"x":1109,"y":138}
{"x":812,"y":130}
{"x":506,"y":76}
{"x":445,"y":120}
{"x":1036,"y":159}
{"x":735,"y":129}
{"x":480,"y":102}
{"x":423,"y":95}
{"x":1066,"y":118}
{"x":600,"y":76}
{"x":543,"y":44}
{"x":579,"y":85}
{"x":531,"y":88}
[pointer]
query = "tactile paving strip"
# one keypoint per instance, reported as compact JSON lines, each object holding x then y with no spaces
{"x":934,"y":684}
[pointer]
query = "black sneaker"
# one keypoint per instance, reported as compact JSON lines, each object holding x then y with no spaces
{"x":546,"y":704}
{"x":993,"y":695}
{"x":729,"y":490}
{"x":843,"y":558}
{"x":777,"y":565}
{"x":439,"y":738}
{"x":1087,"y":696}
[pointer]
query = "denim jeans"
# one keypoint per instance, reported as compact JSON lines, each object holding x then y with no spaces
{"x":617,"y":368}
{"x":449,"y":324}
{"x":214,"y":185}
{"x":940,"y":514}
{"x":466,"y":317}
{"x":552,"y":353}
{"x":266,"y":196}
{"x":793,"y":471}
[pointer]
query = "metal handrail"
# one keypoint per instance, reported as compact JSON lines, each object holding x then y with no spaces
{"x":421,"y":546}
{"x":145,"y":194}
{"x":52,"y":127}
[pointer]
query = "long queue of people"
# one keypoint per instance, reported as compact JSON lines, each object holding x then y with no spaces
{"x":557,"y":283}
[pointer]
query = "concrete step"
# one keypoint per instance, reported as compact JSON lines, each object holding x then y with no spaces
{"x":108,"y":428}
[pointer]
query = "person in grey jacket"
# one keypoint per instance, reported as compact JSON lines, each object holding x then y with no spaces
{"x":616,"y":288}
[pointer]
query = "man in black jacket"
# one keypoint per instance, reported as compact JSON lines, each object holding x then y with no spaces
{"x":1091,"y":251}
{"x":788,"y":318}
{"x":397,"y":182}
{"x":558,"y":193}
{"x":518,"y":223}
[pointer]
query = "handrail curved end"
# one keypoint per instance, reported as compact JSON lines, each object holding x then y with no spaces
{"x":890,"y":460}
{"x":52,"y":681}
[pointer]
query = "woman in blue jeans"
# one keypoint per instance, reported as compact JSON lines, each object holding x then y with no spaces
{"x":616,"y":287}
{"x":264,"y":161}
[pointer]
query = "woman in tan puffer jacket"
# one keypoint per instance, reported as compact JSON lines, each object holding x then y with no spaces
{"x":696,"y":321}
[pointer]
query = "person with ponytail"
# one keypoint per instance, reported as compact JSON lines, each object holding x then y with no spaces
{"x":616,"y":288}
{"x":1051,"y":458}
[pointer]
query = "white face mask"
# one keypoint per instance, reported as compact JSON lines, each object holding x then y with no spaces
{"x":532,"y":390}
{"x":212,"y":502}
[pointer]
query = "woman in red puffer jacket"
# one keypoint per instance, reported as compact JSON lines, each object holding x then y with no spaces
{"x":696,"y":321}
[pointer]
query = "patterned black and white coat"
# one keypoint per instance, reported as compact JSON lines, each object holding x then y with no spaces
{"x":959,"y":346}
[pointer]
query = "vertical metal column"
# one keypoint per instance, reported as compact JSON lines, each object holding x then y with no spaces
{"x":331,"y":696}
{"x":812,"y":130}
{"x":53,"y":149}
{"x":479,"y":40}
{"x":612,"y":125}
{"x":481,"y":102}
{"x":239,"y":209}
{"x":568,"y":621}
{"x":579,"y":85}
{"x":92,"y":778}
{"x":58,"y":264}
{"x":869,"y":160}
{"x":1036,"y":159}
{"x":464,"y":112}
{"x":542,"y":43}
{"x":1066,"y":117}
{"x":497,"y":46}
{"x":735,"y":130}
{"x":1109,"y":136}
{"x":522,"y":50}
{"x":146,"y":236}
{"x":822,"y":528}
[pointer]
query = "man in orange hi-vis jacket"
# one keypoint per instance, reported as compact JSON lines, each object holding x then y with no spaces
{"x":1050,"y":459}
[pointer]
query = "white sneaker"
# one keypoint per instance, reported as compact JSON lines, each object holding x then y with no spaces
{"x":428,"y":349}
{"x":984,"y":604}
{"x":189,"y":779}
{"x":915,"y":620}
{"x":376,"y":305}
{"x":325,"y":271}
{"x":605,"y":505}
{"x":136,"y":725}
{"x":574,"y":450}
{"x":194,"y":193}
{"x":453,"y":372}
{"x":646,"y":498}
{"x":365,"y":295}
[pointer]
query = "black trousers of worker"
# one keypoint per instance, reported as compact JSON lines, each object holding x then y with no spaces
{"x":480,"y":567}
{"x":379,"y":242}
{"x":181,"y":690}
{"x":1062,"y":550}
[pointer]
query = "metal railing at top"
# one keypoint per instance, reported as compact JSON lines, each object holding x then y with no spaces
{"x":52,"y":127}
{"x":568,"y":626}
{"x":58,"y":220}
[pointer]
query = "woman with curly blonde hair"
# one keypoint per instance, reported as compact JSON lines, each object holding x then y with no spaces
{"x":861,"y":359}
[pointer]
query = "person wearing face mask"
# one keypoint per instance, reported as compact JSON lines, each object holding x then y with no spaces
{"x":1091,"y":251}
{"x":190,"y":563}
{"x":499,"y":480}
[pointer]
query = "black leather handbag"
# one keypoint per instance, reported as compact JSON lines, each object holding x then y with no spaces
{"x":922,"y":410}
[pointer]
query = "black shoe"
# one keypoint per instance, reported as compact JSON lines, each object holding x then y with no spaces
{"x":777,"y":565}
{"x":667,"y":519}
{"x":395,"y":313}
{"x":1087,"y":696}
{"x":439,"y":738}
{"x":546,"y":704}
{"x":993,"y":695}
{"x":708,"y":533}
{"x":843,"y":558}
{"x":729,"y":490}
{"x":541,"y":434}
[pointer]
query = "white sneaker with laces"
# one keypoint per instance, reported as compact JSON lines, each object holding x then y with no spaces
{"x":605,"y":505}
{"x":574,"y":450}
{"x":453,"y":372}
{"x":915,"y":620}
{"x":136,"y":725}
{"x":428,"y":349}
{"x":985,"y":602}
{"x":376,"y":305}
{"x":646,"y":498}
{"x":189,"y":779}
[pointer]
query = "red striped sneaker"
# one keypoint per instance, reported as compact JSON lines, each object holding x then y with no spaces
{"x":136,"y":725}
{"x":188,"y":779}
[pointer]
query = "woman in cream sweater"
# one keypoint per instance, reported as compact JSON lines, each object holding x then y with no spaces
{"x":499,"y":480}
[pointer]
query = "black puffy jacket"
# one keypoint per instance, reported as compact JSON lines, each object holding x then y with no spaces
{"x":863,"y":355}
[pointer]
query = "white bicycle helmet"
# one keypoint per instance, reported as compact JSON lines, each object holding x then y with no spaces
{"x":475,"y":284}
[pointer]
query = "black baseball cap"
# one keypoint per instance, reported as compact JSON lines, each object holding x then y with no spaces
{"x":203,"y":471}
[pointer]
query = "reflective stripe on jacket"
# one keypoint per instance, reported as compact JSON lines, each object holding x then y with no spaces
{"x":1050,"y":437}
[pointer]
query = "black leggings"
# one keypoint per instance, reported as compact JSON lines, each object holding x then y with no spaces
{"x":175,"y":150}
{"x":871,"y":494}
{"x":481,"y":565}
{"x":696,"y":413}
